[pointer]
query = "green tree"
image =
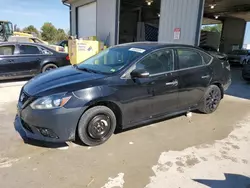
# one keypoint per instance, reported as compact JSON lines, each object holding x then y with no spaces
{"x":49,"y":32}
{"x":61,"y":35}
{"x":31,"y":29}
{"x":214,"y":28}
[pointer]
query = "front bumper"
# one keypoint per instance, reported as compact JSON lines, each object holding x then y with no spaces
{"x":57,"y":125}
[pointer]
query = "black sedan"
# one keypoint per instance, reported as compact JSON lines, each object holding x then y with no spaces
{"x":121,"y":87}
{"x":19,"y":60}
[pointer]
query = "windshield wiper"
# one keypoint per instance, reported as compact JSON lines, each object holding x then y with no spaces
{"x":85,"y":69}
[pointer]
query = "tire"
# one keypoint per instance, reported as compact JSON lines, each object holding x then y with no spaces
{"x":49,"y":67}
{"x":211,"y":100}
{"x":96,"y":125}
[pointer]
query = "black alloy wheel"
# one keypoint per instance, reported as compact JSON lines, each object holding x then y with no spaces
{"x":99,"y":126}
{"x":211,"y":100}
{"x":96,"y":125}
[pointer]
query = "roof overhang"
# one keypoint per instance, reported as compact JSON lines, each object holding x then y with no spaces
{"x":68,"y":1}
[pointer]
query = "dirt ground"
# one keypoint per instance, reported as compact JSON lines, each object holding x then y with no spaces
{"x":197,"y":152}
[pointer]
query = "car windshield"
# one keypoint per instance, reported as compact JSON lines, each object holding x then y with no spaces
{"x":239,"y":52}
{"x":111,"y":60}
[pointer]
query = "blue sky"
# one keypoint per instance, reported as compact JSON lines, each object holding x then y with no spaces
{"x":35,"y":12}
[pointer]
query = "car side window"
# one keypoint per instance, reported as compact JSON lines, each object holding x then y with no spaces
{"x":26,"y":49}
{"x":189,"y":58}
{"x":157,"y":62}
{"x":206,"y":58}
{"x":45,"y":51}
{"x":7,"y":50}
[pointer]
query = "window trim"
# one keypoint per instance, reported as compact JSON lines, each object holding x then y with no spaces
{"x":132,"y":67}
{"x":176,"y":61}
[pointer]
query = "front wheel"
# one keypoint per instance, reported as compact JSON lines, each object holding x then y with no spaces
{"x":211,"y":100}
{"x":96,"y":125}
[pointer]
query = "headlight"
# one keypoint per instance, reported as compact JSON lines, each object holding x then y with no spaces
{"x":50,"y":102}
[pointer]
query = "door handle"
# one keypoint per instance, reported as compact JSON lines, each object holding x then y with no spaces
{"x":205,"y":76}
{"x":38,"y":59}
{"x":173,"y":83}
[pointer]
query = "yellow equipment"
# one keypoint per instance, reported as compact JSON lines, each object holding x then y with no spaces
{"x":80,"y":49}
{"x":6,"y":30}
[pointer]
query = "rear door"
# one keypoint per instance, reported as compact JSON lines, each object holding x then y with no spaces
{"x":30,"y":57}
{"x":195,"y":76}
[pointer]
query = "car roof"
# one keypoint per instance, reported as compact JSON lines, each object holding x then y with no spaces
{"x":151,"y":45}
{"x":27,"y":43}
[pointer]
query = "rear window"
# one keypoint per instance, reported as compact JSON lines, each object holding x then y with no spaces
{"x":7,"y":50}
{"x":206,"y":58}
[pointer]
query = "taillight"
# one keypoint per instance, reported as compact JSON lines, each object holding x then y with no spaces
{"x":67,"y":58}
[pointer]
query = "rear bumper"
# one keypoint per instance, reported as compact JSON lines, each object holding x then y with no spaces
{"x":246,"y":71}
{"x":226,"y":86}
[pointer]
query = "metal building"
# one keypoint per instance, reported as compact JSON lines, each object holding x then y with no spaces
{"x":172,"y":21}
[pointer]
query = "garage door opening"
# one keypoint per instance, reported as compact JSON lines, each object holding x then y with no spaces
{"x":139,"y":20}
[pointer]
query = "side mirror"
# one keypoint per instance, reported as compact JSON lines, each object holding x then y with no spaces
{"x":139,"y":73}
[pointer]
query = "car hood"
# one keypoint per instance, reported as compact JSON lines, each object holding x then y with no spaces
{"x":65,"y":79}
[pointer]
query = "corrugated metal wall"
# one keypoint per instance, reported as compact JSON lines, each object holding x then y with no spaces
{"x":184,"y":14}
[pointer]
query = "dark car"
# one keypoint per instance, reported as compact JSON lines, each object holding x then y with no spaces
{"x":213,"y":51}
{"x":63,"y":43}
{"x":121,"y":87}
{"x":238,"y":57}
{"x":246,"y":70}
{"x":19,"y":60}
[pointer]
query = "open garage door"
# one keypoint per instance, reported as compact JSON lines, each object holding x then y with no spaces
{"x":86,"y":20}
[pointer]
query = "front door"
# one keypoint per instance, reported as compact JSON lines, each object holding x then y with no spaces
{"x":29,"y":58}
{"x":194,"y":75}
{"x":146,"y":98}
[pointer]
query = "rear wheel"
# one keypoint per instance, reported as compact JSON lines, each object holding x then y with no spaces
{"x":211,"y":100}
{"x":96,"y":125}
{"x":49,"y":67}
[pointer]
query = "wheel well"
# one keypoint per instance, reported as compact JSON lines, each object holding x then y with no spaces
{"x":221,"y":89}
{"x":112,"y":106}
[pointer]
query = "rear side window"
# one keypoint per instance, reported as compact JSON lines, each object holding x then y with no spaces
{"x":26,"y":49}
{"x":7,"y":50}
{"x":45,"y":51}
{"x":189,"y":58}
{"x":206,"y":58}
